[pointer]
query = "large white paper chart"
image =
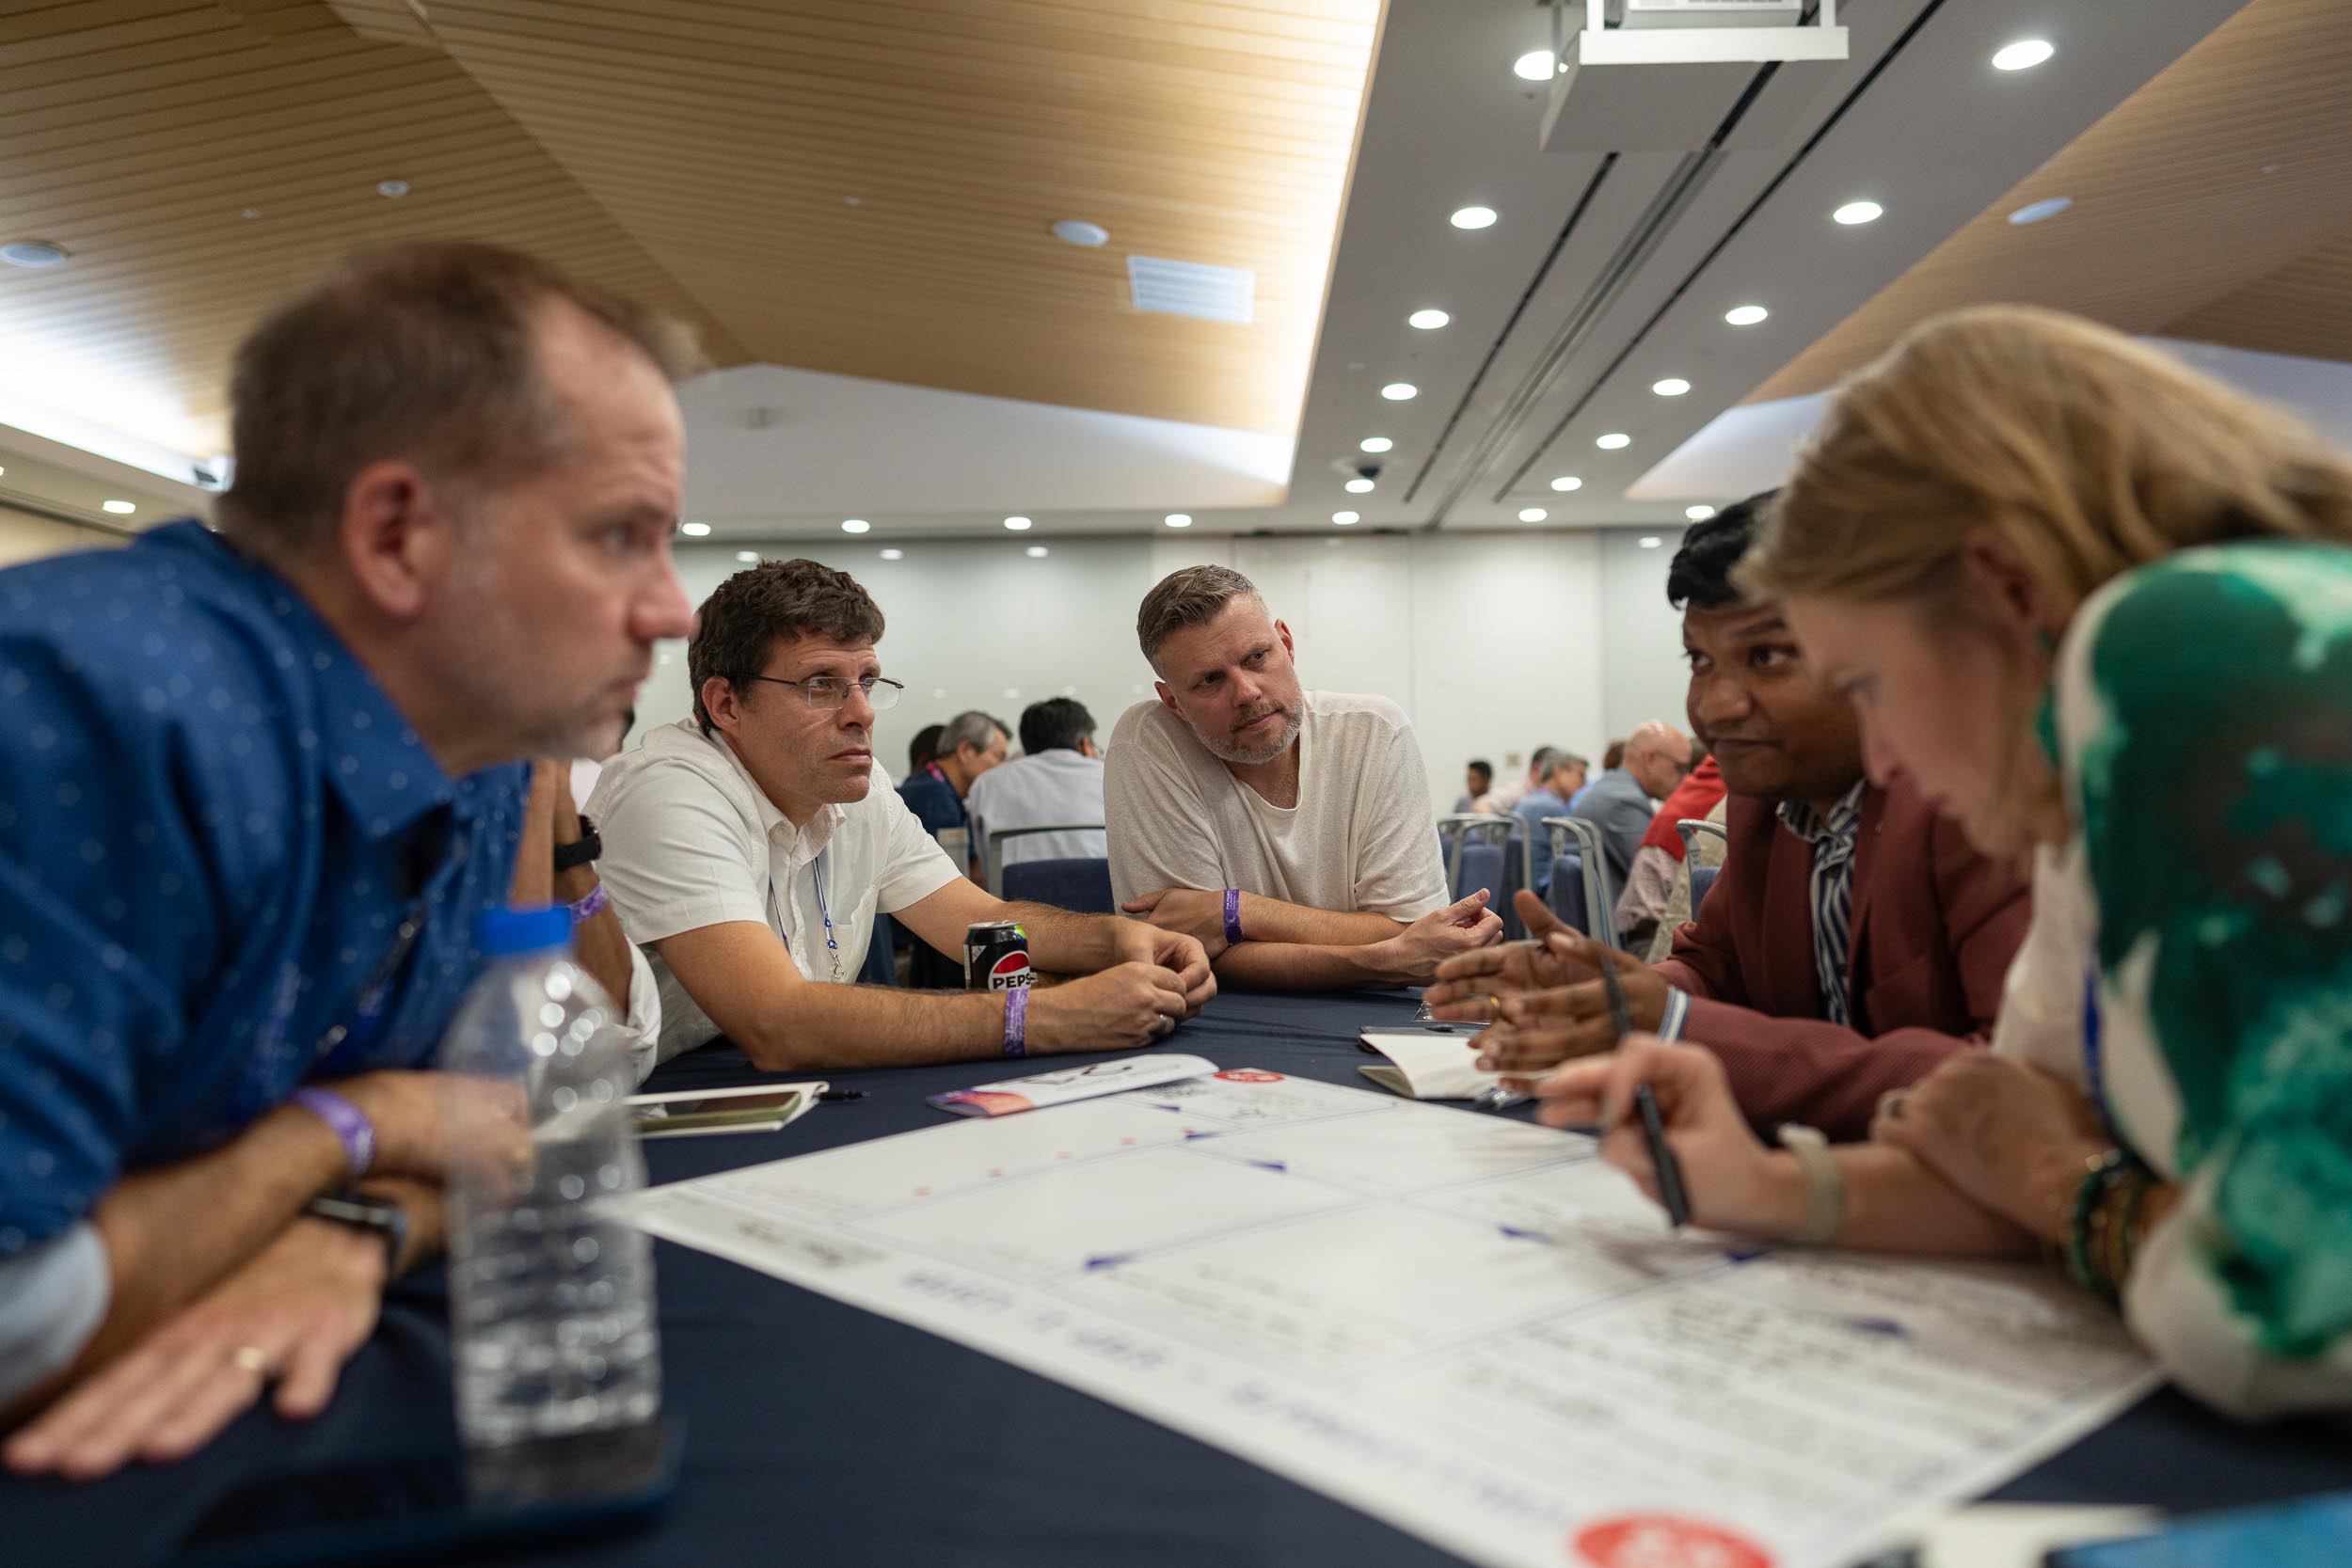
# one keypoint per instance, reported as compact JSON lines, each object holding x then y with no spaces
{"x":1465,"y":1325}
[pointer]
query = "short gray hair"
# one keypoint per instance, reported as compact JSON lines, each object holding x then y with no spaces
{"x":973,"y":728}
{"x":1191,"y":597}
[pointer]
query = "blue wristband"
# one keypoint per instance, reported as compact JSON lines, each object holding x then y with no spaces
{"x":1017,"y":1022}
{"x":1232,"y":917}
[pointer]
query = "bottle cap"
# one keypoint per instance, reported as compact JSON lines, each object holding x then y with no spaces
{"x":506,"y":933}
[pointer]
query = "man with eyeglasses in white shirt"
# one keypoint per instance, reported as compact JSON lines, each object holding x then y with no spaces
{"x":748,"y":850}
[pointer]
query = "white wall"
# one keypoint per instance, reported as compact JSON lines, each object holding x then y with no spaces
{"x":28,"y":537}
{"x":1495,"y":643}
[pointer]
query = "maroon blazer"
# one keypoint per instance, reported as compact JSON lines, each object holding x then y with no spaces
{"x":1936,"y":925}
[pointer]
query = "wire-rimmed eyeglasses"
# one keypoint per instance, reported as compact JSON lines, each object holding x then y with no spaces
{"x":831,"y":691}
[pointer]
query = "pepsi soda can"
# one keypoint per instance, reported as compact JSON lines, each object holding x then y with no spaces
{"x":996,"y":956}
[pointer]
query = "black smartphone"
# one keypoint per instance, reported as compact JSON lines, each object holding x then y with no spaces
{"x":401,"y":1506}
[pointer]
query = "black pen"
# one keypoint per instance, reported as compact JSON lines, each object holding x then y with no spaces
{"x":1661,"y":1159}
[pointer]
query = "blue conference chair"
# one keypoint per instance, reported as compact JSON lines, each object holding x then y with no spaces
{"x":1480,"y":856}
{"x":1572,"y":837}
{"x":1080,"y":885}
{"x":882,"y":967}
{"x":1565,"y":896}
{"x":994,"y":860}
{"x":1702,"y":877}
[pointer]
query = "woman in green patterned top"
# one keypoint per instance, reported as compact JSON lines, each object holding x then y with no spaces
{"x":2100,"y":610}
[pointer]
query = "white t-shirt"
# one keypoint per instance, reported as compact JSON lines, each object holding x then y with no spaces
{"x":1361,"y":838}
{"x":690,"y":841}
{"x":1045,"y":790}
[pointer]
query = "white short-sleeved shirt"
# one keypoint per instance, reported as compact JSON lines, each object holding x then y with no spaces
{"x":1361,"y":838}
{"x":690,"y":841}
{"x":1046,"y":790}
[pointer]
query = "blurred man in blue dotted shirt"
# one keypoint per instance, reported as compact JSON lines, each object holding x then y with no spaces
{"x":260,"y":786}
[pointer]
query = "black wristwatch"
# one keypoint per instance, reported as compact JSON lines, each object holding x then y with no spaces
{"x":380,"y":1215}
{"x":587,"y":846}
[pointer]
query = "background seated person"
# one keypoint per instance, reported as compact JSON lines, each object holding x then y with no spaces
{"x":1478,"y":782}
{"x":1563,"y":776}
{"x":1288,"y":831}
{"x":1622,"y":800}
{"x":751,"y":846}
{"x":970,"y":744}
{"x":1657,"y":868}
{"x":1057,"y":780}
{"x":1854,"y":942}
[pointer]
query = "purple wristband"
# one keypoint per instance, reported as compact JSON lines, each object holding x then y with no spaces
{"x":590,"y":907}
{"x":1017,"y":1022}
{"x":1232,"y":917}
{"x":346,"y":1121}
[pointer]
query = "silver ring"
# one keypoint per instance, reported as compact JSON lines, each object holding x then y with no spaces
{"x":1168,"y":1025}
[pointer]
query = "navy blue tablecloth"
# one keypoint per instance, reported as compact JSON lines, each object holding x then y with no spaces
{"x":818,"y":1434}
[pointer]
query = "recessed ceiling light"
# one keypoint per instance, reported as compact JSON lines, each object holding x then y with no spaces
{"x":1858,"y":212}
{"x":1673,"y":387}
{"x":1398,"y":391}
{"x":33,"y":253}
{"x":1745,"y":315}
{"x":1428,"y":321}
{"x":1473,"y":217}
{"x":1533,"y":514}
{"x":1613,"y":441}
{"x":855,"y":525}
{"x":1358,"y":487}
{"x":1651,"y":540}
{"x":1375,"y":443}
{"x":749,"y":558}
{"x":1178,"y":519}
{"x":2034,"y":211}
{"x":1036,"y":552}
{"x":121,"y":509}
{"x":1019,"y":525}
{"x":1567,"y":481}
{"x":1536,"y":64}
{"x":894,"y":555}
{"x":2022,"y":55}
{"x":1345,"y":519}
{"x":694,"y":531}
{"x":394,"y":188}
{"x":1074,"y":231}
{"x":1698,"y":513}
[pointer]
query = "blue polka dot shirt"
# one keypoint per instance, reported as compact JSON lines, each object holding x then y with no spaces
{"x":214,"y":829}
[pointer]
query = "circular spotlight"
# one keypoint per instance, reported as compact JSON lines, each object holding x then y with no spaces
{"x":894,"y":555}
{"x":1400,"y":391}
{"x":1567,"y":481}
{"x":2034,"y":211}
{"x":1616,"y":440}
{"x":1178,"y":519}
{"x":2024,"y":55}
{"x":1345,"y":519}
{"x":855,"y":525}
{"x":1358,"y":487}
{"x":1473,"y":217}
{"x":1745,"y":315}
{"x":1428,"y":321}
{"x":1019,"y":525}
{"x":1533,"y":514}
{"x":1698,"y":513}
{"x":694,"y":531}
{"x":1858,"y":212}
{"x":1536,"y":64}
{"x":1673,"y":387}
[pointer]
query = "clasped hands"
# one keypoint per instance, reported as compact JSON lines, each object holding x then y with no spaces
{"x":1542,"y":998}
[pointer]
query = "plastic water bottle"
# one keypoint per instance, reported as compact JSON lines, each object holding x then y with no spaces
{"x":552,"y":1302}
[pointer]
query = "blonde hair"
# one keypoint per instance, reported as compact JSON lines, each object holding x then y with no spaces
{"x":2089,"y":454}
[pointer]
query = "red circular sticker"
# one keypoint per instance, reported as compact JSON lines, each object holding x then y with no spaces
{"x":1250,"y":1076}
{"x":1662,"y":1540}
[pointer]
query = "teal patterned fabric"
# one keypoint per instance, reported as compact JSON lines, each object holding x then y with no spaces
{"x":2212,"y":786}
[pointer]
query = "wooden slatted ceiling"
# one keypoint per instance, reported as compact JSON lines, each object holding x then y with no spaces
{"x":730,"y":139}
{"x":136,"y":133}
{"x":2304,"y":308}
{"x":700,"y":155}
{"x":2173,"y":218}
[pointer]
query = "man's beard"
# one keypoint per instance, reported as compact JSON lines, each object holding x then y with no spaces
{"x":1228,"y":747}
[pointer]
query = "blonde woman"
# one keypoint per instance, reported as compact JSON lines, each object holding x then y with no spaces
{"x":2100,"y":610}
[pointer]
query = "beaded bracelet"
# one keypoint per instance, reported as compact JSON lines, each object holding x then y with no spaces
{"x":2089,"y":1253}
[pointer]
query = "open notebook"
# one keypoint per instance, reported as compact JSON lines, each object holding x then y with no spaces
{"x":1431,"y":1062}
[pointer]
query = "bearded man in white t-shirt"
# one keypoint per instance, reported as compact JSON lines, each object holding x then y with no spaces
{"x":1288,"y":831}
{"x":749,"y":849}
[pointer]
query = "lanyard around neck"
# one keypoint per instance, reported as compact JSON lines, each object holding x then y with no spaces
{"x":816,"y":876}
